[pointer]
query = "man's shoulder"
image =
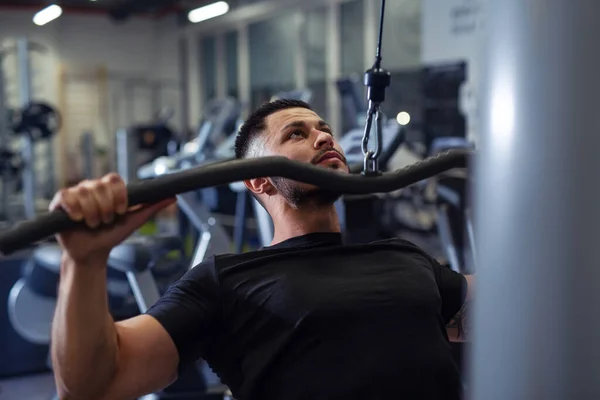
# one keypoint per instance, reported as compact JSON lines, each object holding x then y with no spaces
{"x":406,"y":246}
{"x":224,"y":261}
{"x":219,"y":262}
{"x":233,"y":258}
{"x":402,"y":243}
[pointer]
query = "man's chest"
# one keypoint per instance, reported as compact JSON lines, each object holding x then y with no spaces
{"x":323,"y":288}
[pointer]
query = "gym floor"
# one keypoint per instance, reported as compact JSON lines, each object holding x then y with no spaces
{"x":33,"y":387}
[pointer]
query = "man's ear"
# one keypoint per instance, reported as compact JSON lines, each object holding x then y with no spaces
{"x":260,"y":186}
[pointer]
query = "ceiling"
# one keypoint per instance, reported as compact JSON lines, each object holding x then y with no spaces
{"x":116,"y":9}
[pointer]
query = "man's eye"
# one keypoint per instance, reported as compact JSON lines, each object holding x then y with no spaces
{"x":295,"y":134}
{"x":327,"y":130}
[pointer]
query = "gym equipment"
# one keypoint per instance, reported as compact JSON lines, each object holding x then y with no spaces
{"x":6,"y":154}
{"x":392,"y":138}
{"x":32,"y":118}
{"x":87,"y":151}
{"x":442,"y":116}
{"x":376,"y":80}
{"x":28,"y":150}
{"x":32,"y":298}
{"x":11,"y":166}
{"x":215,"y":141}
{"x":30,"y":306}
{"x":360,"y":215}
{"x":19,"y":355}
{"x":436,"y":210}
{"x":33,"y":122}
{"x":141,"y":144}
{"x":138,"y":256}
{"x":354,"y":109}
{"x":156,"y":139}
{"x":453,"y":212}
{"x":165,"y":186}
{"x":535,"y":331}
{"x":220,"y":121}
{"x":38,"y":120}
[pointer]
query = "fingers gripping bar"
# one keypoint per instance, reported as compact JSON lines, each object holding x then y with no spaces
{"x":224,"y":172}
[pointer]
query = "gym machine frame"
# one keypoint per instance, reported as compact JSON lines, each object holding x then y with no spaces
{"x":4,"y":140}
{"x":223,"y":172}
{"x":22,"y":48}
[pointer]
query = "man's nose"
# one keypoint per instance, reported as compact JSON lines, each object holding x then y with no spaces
{"x":323,"y":139}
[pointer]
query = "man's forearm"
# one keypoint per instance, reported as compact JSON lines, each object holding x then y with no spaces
{"x":84,"y":338}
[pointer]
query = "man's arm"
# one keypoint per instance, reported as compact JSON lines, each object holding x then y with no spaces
{"x":96,"y":359}
{"x":148,"y":359}
{"x":458,"y":328}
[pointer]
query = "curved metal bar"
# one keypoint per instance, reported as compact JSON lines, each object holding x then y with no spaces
{"x":219,"y":173}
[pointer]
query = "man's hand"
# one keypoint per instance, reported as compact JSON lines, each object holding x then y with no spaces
{"x":98,"y":203}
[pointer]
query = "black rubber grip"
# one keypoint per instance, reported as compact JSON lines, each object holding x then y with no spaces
{"x":219,"y":173}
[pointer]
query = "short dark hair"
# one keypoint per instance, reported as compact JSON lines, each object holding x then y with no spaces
{"x":255,"y":123}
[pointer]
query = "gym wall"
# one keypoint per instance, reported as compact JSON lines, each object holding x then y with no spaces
{"x":307,"y":45}
{"x":452,"y":31}
{"x":101,"y":75}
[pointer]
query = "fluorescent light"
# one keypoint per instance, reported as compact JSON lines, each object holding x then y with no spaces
{"x":208,"y":12}
{"x":46,"y":15}
{"x":403,"y":118}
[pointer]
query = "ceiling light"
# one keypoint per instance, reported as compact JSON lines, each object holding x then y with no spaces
{"x":208,"y":12}
{"x":403,"y":118}
{"x":46,"y":15}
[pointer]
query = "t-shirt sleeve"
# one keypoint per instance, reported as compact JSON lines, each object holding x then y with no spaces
{"x":453,"y":290}
{"x":189,"y":309}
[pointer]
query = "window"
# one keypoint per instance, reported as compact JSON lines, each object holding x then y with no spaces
{"x":208,"y":61}
{"x":231,"y":59}
{"x":352,"y":36}
{"x":401,"y":34}
{"x":314,"y":31}
{"x":272,"y":47}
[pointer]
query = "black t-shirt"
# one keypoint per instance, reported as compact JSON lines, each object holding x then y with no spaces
{"x":312,"y":318}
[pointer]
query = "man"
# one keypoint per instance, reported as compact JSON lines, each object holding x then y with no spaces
{"x":305,"y":318}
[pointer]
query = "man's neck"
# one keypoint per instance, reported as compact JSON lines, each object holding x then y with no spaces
{"x":290,"y":222}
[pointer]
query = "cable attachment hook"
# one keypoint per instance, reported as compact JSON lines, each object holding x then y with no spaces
{"x":376,"y":80}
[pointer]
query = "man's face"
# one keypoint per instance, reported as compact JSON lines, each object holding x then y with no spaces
{"x":300,"y":134}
